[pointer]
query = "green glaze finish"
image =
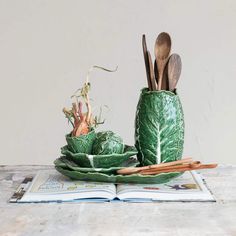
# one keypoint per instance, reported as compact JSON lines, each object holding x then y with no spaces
{"x":159,"y":127}
{"x":81,"y":144}
{"x":107,"y":142}
{"x":100,"y":161}
{"x":101,"y":177}
{"x":66,"y":163}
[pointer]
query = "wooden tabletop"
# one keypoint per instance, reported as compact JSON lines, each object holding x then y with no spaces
{"x":120,"y":218}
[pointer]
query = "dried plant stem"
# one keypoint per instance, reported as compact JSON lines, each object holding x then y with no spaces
{"x":83,"y":121}
{"x":97,"y":67}
{"x":89,"y":110}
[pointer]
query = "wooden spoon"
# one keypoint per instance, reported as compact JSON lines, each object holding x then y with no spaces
{"x":174,"y":70}
{"x":165,"y":83}
{"x":152,"y":76}
{"x":162,"y":51}
{"x":145,"y":54}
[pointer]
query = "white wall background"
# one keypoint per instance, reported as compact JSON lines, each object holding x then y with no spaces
{"x":46,"y":48}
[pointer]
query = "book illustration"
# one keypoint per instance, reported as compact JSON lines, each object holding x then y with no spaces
{"x":53,"y":182}
{"x":176,"y":187}
{"x":185,"y":182}
{"x":183,"y":186}
{"x":56,"y":182}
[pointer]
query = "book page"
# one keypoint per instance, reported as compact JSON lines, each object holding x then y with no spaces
{"x":180,"y":184}
{"x":185,"y":187}
{"x":47,"y":182}
{"x":51,"y":185}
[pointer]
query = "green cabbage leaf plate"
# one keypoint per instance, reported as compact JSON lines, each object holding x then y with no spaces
{"x":65,"y":162}
{"x":112,"y":178}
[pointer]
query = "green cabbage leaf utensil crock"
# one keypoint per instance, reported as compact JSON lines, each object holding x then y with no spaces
{"x":159,"y":127}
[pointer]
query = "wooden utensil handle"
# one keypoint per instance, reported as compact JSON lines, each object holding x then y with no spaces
{"x":206,"y":166}
{"x":180,"y":166}
{"x":160,"y":80}
{"x":184,"y":160}
{"x":151,"y":71}
{"x":164,"y":171}
{"x":161,"y":67}
{"x":173,"y":163}
{"x":132,"y":170}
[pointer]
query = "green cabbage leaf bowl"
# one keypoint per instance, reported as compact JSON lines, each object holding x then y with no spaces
{"x":100,"y":161}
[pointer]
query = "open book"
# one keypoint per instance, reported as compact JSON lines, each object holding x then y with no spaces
{"x":51,"y":186}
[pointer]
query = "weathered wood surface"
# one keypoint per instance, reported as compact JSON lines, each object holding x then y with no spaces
{"x":120,"y":218}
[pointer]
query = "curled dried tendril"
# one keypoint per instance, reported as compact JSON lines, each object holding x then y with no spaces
{"x":83,"y":122}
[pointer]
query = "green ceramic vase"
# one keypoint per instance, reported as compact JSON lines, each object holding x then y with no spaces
{"x":81,"y":144}
{"x":159,"y":127}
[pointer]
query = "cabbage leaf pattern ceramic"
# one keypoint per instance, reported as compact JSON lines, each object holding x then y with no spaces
{"x":100,"y":161}
{"x":101,"y":177}
{"x":66,"y":163}
{"x":159,"y":127}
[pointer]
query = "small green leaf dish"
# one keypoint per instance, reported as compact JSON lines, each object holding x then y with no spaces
{"x":81,"y":144}
{"x":100,"y":161}
{"x":65,"y":162}
{"x":102,"y":177}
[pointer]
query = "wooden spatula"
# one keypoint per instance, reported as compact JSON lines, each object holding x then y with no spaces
{"x":145,"y":54}
{"x":152,"y":76}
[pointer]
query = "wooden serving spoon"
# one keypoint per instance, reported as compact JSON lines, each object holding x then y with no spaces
{"x":162,"y":51}
{"x":165,"y":83}
{"x":174,"y":70}
{"x":145,"y":54}
{"x":152,"y":76}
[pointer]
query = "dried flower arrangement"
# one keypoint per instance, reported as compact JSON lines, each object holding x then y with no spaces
{"x":83,"y":122}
